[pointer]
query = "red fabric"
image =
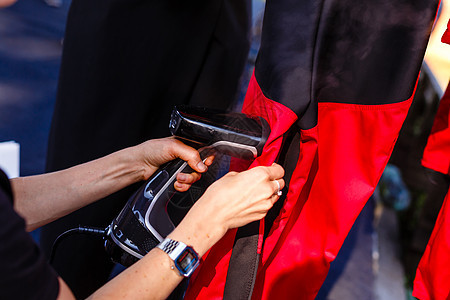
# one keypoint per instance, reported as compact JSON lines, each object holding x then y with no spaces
{"x":432,"y":280}
{"x":436,"y":155}
{"x":209,"y":281}
{"x":340,"y":163}
{"x":446,"y":36}
{"x":433,"y":273}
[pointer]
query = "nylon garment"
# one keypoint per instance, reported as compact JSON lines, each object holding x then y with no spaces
{"x":334,"y":79}
{"x":432,"y":279}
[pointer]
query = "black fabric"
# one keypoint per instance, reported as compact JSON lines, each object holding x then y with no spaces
{"x":125,"y":64}
{"x":5,"y":186}
{"x":287,"y":158}
{"x":244,"y":257}
{"x":24,"y":272}
{"x":342,"y":51}
{"x":348,"y":55}
{"x":244,"y":262}
{"x":330,"y":50}
{"x":286,"y":53}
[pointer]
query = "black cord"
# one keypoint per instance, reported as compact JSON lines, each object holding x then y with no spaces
{"x":80,"y":230}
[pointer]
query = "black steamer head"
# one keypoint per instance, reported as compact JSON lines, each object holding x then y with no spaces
{"x":156,"y":207}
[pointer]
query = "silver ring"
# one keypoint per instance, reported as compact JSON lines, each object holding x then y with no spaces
{"x":279,"y":191}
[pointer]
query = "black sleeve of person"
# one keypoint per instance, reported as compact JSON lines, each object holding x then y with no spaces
{"x":355,"y":52}
{"x":24,"y":272}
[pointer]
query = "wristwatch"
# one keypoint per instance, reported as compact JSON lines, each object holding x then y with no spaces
{"x":185,"y":258}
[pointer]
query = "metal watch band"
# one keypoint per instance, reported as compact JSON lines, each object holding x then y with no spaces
{"x":171,"y":247}
{"x":184,"y":257}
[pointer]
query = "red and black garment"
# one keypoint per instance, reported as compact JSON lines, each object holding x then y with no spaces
{"x":432,"y":279}
{"x":334,"y":79}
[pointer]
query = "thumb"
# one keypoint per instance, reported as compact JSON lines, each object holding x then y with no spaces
{"x":190,"y":155}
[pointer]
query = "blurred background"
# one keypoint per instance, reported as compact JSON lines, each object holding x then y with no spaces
{"x":380,"y":255}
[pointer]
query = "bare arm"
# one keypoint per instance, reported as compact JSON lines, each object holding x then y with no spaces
{"x":43,"y":198}
{"x":233,"y":201}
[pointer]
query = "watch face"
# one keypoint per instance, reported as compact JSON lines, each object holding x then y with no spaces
{"x":187,"y":261}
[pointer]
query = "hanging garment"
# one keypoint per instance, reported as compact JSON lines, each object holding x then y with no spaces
{"x":432,"y":279}
{"x":334,"y":79}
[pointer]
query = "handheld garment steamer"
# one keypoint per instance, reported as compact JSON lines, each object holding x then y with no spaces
{"x":156,"y":207}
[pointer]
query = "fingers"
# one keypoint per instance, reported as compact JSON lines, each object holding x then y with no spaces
{"x":273,"y":178}
{"x":184,"y":181}
{"x":240,"y":198}
{"x":181,"y":187}
{"x":190,"y":155}
{"x":269,"y":179}
{"x":279,"y":184}
{"x":275,"y":172}
{"x":209,"y":160}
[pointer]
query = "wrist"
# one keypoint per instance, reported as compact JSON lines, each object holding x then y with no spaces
{"x":198,"y":235}
{"x":184,"y":257}
{"x":133,"y":157}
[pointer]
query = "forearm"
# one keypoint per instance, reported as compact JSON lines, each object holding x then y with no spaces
{"x":43,"y":198}
{"x":152,"y":277}
{"x":149,"y":278}
{"x":231,"y":202}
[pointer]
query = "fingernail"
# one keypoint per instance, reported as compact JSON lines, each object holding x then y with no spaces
{"x":201,"y":166}
{"x":182,"y":177}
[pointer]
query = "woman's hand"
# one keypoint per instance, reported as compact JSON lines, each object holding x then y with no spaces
{"x":233,"y":201}
{"x":43,"y":198}
{"x":185,"y":180}
{"x":154,"y":153}
{"x":240,"y":198}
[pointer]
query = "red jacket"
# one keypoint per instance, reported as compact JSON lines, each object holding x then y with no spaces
{"x":334,"y":79}
{"x":433,"y":273}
